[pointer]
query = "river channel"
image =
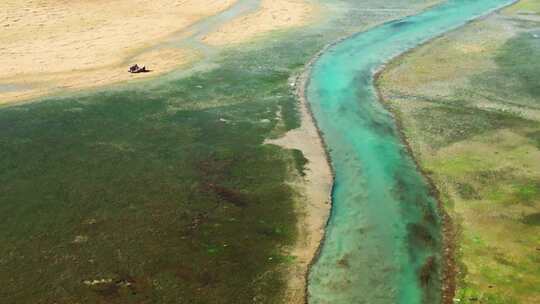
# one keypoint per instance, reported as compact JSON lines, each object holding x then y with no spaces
{"x":383,"y":241}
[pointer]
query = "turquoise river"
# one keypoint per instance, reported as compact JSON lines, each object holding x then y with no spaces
{"x":383,"y":240}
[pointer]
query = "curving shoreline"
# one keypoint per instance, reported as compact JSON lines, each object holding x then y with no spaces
{"x":301,"y":82}
{"x":448,"y":248}
{"x":453,"y":230}
{"x":315,"y":188}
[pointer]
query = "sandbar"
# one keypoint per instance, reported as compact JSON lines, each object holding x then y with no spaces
{"x":315,"y":190}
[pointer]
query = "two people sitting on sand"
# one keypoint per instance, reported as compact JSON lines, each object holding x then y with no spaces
{"x":136,"y":69}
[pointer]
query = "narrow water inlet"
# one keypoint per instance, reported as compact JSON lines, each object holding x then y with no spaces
{"x":191,"y":36}
{"x":383,"y":241}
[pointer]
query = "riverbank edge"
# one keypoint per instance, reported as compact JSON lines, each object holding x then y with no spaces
{"x":301,"y":83}
{"x":450,"y":230}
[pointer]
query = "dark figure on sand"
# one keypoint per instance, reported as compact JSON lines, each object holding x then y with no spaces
{"x":136,"y":69}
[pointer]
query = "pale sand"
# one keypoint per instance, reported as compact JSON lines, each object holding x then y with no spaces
{"x":315,"y":195}
{"x":272,"y":15}
{"x":162,"y":61}
{"x":51,"y":45}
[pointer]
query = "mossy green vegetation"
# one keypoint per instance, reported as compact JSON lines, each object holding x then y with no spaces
{"x":161,"y":195}
{"x":474,"y":128}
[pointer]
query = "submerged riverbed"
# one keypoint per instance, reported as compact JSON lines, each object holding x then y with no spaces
{"x":383,"y":242}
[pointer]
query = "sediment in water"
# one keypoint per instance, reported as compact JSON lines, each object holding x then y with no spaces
{"x":448,"y":285}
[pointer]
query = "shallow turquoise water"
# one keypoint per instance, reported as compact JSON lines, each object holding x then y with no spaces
{"x":383,"y":241}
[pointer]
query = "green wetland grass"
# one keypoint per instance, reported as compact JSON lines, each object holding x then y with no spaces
{"x":165,"y":195}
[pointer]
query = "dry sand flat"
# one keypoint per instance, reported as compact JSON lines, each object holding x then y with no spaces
{"x":272,"y":15}
{"x":47,"y":45}
{"x":54,"y":45}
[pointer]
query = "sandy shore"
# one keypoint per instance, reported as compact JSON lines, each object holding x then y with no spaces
{"x":315,"y":194}
{"x":50,"y":46}
{"x":272,"y":15}
{"x":53,"y":45}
